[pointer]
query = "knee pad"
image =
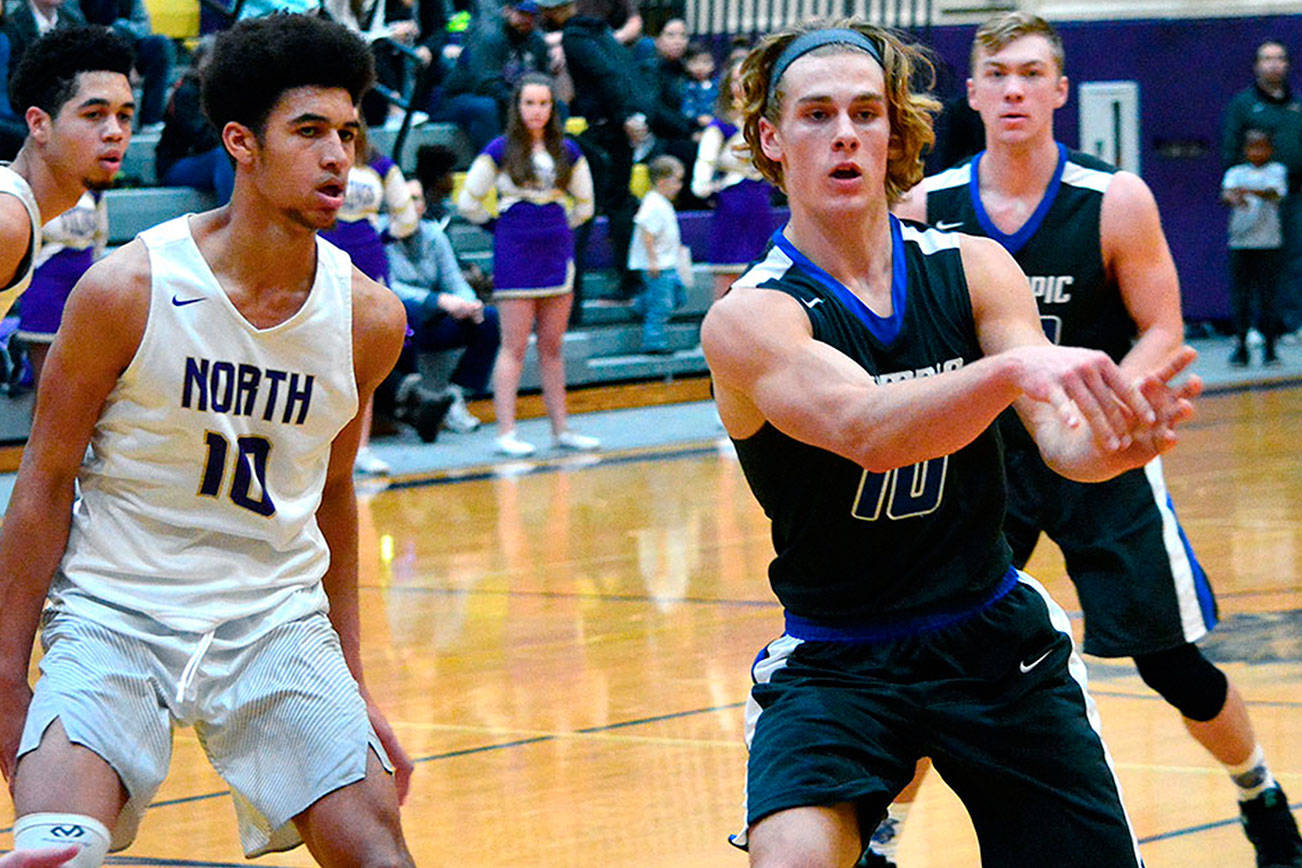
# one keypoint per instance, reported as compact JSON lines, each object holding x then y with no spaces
{"x":56,"y":831}
{"x":1187,"y":680}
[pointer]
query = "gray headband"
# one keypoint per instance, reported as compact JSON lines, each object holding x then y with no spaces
{"x":807,"y":42}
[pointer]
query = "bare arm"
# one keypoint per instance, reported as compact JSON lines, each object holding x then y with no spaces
{"x":1136,"y":255}
{"x":102,"y":325}
{"x":379,"y":324}
{"x":766,"y":365}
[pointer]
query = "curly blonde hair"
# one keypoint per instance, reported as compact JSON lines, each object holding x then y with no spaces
{"x":910,"y":111}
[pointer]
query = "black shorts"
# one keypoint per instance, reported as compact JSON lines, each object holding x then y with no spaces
{"x":997,"y":701}
{"x":1140,"y":586}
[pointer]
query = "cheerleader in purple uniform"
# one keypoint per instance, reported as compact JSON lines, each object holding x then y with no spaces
{"x":375,"y":185}
{"x":69,"y":244}
{"x":534,"y":170}
{"x":743,"y":219}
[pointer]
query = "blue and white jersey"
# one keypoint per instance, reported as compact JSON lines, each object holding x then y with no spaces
{"x":16,"y":185}
{"x":1059,"y":247}
{"x":200,"y":490}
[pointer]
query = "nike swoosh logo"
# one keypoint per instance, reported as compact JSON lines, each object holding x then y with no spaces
{"x":811,"y":302}
{"x":944,"y":226}
{"x":182,"y":302}
{"x":1027,"y":667}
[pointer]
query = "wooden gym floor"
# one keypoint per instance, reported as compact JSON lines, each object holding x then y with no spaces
{"x":565,"y":654}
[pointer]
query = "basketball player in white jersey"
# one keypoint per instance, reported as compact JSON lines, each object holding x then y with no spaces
{"x":72,"y":86}
{"x":215,"y":367}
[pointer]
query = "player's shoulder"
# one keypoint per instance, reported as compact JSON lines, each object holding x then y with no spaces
{"x":1089,"y":172}
{"x":926,"y":238}
{"x":957,"y":176}
{"x":375,"y":307}
{"x":122,"y":277}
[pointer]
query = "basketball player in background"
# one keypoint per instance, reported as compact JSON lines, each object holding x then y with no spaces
{"x":215,"y":366}
{"x":1091,"y":241}
{"x":72,"y":87}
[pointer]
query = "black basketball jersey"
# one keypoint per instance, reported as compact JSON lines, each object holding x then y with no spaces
{"x":856,"y":548}
{"x":1060,"y":248}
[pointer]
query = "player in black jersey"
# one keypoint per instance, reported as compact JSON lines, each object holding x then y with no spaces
{"x":1090,"y":239}
{"x":859,"y":367}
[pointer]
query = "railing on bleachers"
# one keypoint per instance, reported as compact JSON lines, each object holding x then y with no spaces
{"x":755,"y":17}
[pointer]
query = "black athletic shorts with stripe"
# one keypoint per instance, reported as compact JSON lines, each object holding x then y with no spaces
{"x":1140,"y":586}
{"x":997,"y":701}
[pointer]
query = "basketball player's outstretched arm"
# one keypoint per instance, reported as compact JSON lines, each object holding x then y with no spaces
{"x":379,"y":324}
{"x":101,"y":329}
{"x":767,"y":366}
{"x":1008,"y":322}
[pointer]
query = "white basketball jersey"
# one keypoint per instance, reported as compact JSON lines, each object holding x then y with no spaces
{"x":14,"y":184}
{"x":199,"y":494}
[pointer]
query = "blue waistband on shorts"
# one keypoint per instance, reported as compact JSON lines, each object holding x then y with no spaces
{"x":815,"y":631}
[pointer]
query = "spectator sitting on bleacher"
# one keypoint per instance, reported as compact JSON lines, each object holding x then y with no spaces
{"x":155,"y":53}
{"x":443,"y":311}
{"x":477,"y":92}
{"x":190,"y":151}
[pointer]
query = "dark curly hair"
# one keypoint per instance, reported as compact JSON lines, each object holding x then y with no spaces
{"x":46,"y":77}
{"x":255,"y":62}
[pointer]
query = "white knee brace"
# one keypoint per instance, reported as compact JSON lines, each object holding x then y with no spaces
{"x":45,"y":831}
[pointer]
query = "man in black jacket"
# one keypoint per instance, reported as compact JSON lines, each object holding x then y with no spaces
{"x":479,"y":87}
{"x":608,"y":94}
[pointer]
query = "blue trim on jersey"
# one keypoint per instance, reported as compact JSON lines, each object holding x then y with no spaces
{"x":885,"y":328}
{"x":1202,"y":587}
{"x":1016,"y":241}
{"x":813,"y":631}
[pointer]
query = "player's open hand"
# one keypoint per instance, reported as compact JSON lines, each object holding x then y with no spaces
{"x":1086,"y":388}
{"x":1173,"y":405}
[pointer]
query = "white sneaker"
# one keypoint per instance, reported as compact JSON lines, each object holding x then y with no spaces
{"x":509,"y":444}
{"x":370,"y":464}
{"x":459,"y":417}
{"x":568,"y":439}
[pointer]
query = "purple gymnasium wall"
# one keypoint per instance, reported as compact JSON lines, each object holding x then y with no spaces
{"x":1187,"y":71}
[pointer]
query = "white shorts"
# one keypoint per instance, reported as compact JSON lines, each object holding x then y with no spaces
{"x":279,"y":717}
